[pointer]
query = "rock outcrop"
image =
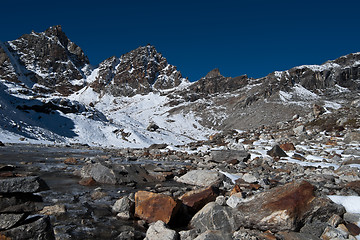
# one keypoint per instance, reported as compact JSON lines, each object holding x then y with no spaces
{"x":17,"y":202}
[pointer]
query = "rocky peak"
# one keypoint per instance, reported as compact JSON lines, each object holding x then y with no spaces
{"x":48,"y":60}
{"x":214,"y":73}
{"x":137,"y":72}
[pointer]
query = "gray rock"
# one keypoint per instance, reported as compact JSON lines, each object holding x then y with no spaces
{"x":247,"y":177}
{"x":214,"y":217}
{"x":213,"y":235}
{"x":226,"y":155}
{"x":159,"y":231}
{"x":99,"y":173}
{"x":19,"y":203}
{"x":352,"y":217}
{"x":202,"y":178}
{"x":124,"y":207}
{"x":299,"y":130}
{"x":8,"y":220}
{"x":314,"y":228}
{"x":36,"y":228}
{"x":23,"y":185}
{"x":188,"y":235}
{"x":352,"y":136}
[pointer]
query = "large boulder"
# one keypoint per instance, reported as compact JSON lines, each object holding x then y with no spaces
{"x":8,"y":220}
{"x":23,"y":185}
{"x":18,"y":203}
{"x":285,"y":208}
{"x":276,"y":152}
{"x":124,"y":208}
{"x":197,"y":199}
{"x":38,"y":228}
{"x":99,"y":173}
{"x":226,"y":155}
{"x":214,"y":217}
{"x":152,"y":207}
{"x":203,"y":178}
{"x":159,"y":231}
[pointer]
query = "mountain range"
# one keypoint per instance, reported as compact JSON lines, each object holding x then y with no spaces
{"x":50,"y":93}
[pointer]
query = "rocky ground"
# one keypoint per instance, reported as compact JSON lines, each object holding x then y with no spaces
{"x":264,"y":183}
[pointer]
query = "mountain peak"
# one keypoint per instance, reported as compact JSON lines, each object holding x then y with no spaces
{"x":214,"y":73}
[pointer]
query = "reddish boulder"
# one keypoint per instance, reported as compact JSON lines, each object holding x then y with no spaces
{"x":88,"y":181}
{"x":197,"y":199}
{"x":287,"y":146}
{"x":71,"y":161}
{"x":152,"y":207}
{"x":285,"y":208}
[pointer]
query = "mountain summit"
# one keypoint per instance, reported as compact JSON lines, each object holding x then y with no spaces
{"x":47,"y":62}
{"x":138,"y":72}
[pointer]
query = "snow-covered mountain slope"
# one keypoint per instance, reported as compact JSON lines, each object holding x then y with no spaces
{"x":50,"y":93}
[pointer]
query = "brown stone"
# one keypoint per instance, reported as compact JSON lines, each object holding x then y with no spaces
{"x":152,"y":207}
{"x":2,"y":237}
{"x":353,"y":228}
{"x":294,"y":198}
{"x":71,"y":161}
{"x":355,"y":185}
{"x":268,"y":235}
{"x":287,"y":146}
{"x":88,"y":181}
{"x":285,"y":208}
{"x":236,"y":189}
{"x":197,"y":199}
{"x":232,"y":161}
{"x":297,"y":236}
{"x":331,"y":143}
{"x":7,"y":174}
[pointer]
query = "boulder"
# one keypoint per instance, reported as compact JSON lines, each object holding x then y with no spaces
{"x":287,"y":146}
{"x":228,"y":155}
{"x":87,"y":181}
{"x":203,"y":178}
{"x":213,"y":235}
{"x":276,"y":152}
{"x":297,"y":236}
{"x":299,"y":130}
{"x":152,"y":207}
{"x":159,"y":231}
{"x":19,"y":203}
{"x":38,"y":228}
{"x":23,"y":185}
{"x":197,"y":199}
{"x":8,"y":220}
{"x":352,"y":137}
{"x":124,"y":208}
{"x":214,"y":217}
{"x":99,"y":173}
{"x":152,"y":127}
{"x":57,"y":209}
{"x":285,"y":208}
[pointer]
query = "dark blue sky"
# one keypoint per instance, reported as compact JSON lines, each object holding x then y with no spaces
{"x":253,"y":37}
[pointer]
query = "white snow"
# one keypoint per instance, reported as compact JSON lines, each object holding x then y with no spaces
{"x":351,"y":203}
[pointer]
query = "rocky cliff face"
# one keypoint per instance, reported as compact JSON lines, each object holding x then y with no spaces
{"x":46,"y":61}
{"x":138,"y":72}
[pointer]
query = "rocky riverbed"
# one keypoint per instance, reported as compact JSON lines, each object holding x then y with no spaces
{"x":295,"y":181}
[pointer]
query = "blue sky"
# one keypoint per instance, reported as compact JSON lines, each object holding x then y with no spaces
{"x":253,"y":37}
